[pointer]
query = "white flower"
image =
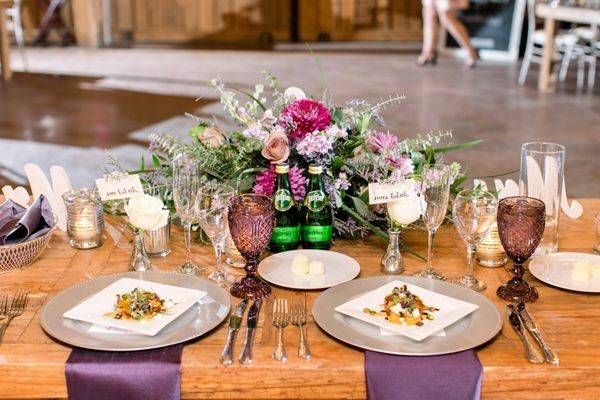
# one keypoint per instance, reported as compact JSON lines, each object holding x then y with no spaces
{"x":146,"y":212}
{"x":294,"y":93}
{"x":405,"y":211}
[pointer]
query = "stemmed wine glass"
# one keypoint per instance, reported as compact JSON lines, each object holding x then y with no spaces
{"x":435,"y":192}
{"x":521,"y":222}
{"x":212,"y":206}
{"x":186,"y":184}
{"x":474,"y":212}
{"x":251,"y":225}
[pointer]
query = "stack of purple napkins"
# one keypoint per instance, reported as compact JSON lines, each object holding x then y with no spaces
{"x":19,"y":224}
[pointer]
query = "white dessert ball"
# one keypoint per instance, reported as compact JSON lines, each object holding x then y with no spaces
{"x":316,"y":268}
{"x":581,"y":271}
{"x":595,"y":271}
{"x":300,"y":265}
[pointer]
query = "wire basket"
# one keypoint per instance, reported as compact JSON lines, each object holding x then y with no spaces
{"x":20,"y":255}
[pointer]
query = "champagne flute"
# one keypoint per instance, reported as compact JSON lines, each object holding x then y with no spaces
{"x":474,"y":212}
{"x":212,"y":205}
{"x":186,"y":183}
{"x":435,"y":193}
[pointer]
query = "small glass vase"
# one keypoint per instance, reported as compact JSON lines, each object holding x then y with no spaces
{"x":139,"y":260}
{"x":391,"y":262}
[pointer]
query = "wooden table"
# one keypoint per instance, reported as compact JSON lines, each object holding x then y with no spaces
{"x":32,"y":364}
{"x":579,"y":15}
{"x":4,"y":41}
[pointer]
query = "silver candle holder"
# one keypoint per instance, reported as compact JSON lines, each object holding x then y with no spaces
{"x":157,"y":242}
{"x":85,"y":218}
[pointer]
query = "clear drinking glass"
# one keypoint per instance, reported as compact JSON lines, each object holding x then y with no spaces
{"x":474,"y":212}
{"x":541,"y":177}
{"x":212,"y":204}
{"x":186,"y":184}
{"x":435,"y":193}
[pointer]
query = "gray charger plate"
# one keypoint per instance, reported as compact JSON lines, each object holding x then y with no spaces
{"x":471,"y":331}
{"x":195,"y":322}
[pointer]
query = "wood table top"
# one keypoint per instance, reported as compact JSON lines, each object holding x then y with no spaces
{"x":32,"y":363}
{"x":581,"y":15}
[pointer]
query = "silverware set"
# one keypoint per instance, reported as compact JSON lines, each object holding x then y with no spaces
{"x":8,"y":312}
{"x":525,"y":326}
{"x":283,"y":315}
{"x":235,"y":322}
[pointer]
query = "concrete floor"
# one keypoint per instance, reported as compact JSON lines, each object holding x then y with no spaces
{"x":484,"y":103}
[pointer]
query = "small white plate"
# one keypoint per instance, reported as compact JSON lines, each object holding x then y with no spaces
{"x":95,"y":308}
{"x":555,"y":269}
{"x":339,"y":268}
{"x":450,"y":310}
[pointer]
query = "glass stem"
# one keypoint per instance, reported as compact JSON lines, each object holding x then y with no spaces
{"x":219,"y":247}
{"x":470,"y":259}
{"x":430,"y":237}
{"x":187,"y":233}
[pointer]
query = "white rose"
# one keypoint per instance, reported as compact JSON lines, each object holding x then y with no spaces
{"x":294,"y":93}
{"x":405,"y":211}
{"x":146,"y":212}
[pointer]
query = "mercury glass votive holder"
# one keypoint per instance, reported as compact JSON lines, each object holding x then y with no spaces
{"x":85,"y":218}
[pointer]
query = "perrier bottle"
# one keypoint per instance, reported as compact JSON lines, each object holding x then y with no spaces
{"x":286,"y":231}
{"x":317,"y":225}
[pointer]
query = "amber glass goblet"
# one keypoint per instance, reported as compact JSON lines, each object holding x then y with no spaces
{"x":251,"y":225}
{"x":521,"y":223}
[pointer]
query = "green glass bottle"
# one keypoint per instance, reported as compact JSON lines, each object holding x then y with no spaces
{"x":317,"y":224}
{"x":286,"y":231}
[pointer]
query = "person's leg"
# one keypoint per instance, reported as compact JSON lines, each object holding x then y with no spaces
{"x":459,"y":32}
{"x":430,"y":26}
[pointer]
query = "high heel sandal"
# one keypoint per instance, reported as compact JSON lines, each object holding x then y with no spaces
{"x":429,"y":60}
{"x":471,"y":61}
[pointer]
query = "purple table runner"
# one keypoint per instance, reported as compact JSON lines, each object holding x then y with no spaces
{"x":148,"y":375}
{"x":455,"y":376}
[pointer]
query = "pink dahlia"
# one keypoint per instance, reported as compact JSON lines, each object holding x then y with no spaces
{"x":265,"y":182}
{"x":305,"y":116}
{"x":382,"y":142}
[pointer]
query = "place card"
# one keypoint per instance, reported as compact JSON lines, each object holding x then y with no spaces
{"x":119,"y":186}
{"x":380,"y":193}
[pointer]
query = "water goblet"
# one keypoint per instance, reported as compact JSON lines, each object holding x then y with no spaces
{"x":213,"y":206}
{"x":521,"y":222}
{"x":251,"y":225}
{"x":186,"y":184}
{"x":474,"y":212}
{"x":435,"y":193}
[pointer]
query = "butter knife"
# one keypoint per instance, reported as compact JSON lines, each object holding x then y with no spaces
{"x":516,"y":323}
{"x":550,"y":356}
{"x":235,"y":321}
{"x":246,"y":356}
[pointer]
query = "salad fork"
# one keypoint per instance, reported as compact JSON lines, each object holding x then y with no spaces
{"x":298,"y":316}
{"x":281,"y":319}
{"x":17,"y":307}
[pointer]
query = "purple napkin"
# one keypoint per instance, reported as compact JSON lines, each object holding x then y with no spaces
{"x":148,"y":375}
{"x":450,"y":377}
{"x":10,"y":214}
{"x":36,"y":221}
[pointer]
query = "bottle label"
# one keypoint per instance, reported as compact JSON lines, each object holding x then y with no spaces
{"x":286,"y":234}
{"x":283,"y":200}
{"x":316,"y":200}
{"x":317,"y":233}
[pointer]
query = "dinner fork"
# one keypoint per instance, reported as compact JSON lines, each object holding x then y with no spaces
{"x":17,"y":307}
{"x":281,"y":319}
{"x":298,"y":317}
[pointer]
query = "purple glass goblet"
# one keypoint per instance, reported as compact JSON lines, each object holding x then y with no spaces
{"x":521,"y":223}
{"x":251,"y":225}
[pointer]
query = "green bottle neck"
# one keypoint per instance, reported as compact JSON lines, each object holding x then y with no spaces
{"x":316,"y":183}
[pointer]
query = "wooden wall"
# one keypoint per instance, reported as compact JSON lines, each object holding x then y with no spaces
{"x":246,"y":20}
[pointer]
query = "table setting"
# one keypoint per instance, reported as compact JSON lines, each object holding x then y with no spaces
{"x":252,"y":264}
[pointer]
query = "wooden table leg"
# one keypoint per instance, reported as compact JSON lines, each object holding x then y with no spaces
{"x":4,"y":46}
{"x":546,"y":80}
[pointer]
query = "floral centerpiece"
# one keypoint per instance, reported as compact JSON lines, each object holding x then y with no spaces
{"x":349,"y":140}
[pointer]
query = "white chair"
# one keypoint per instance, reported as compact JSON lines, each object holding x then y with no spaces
{"x":536,"y":39}
{"x":15,"y":24}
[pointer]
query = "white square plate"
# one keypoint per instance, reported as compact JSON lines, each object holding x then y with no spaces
{"x":95,"y":308}
{"x":450,"y":310}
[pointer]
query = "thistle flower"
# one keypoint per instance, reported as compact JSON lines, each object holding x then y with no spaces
{"x":265,"y":182}
{"x":305,"y":116}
